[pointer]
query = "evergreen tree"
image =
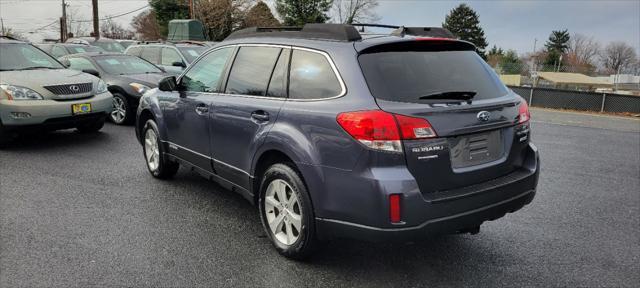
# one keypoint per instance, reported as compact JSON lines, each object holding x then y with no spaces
{"x":300,"y":12}
{"x":556,"y":46}
{"x":511,"y":63}
{"x":463,"y":22}
{"x":260,"y":15}
{"x":167,"y":10}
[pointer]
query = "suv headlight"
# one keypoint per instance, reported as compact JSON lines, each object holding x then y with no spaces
{"x":140,"y":88}
{"x":102,"y":87}
{"x":12,"y":92}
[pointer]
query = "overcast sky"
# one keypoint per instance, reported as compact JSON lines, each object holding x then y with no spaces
{"x":509,"y":24}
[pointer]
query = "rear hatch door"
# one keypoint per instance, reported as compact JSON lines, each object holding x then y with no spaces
{"x":473,"y":114}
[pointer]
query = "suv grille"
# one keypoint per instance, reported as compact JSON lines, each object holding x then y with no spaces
{"x":70,"y":89}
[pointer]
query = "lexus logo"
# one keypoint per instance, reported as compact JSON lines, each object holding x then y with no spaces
{"x":484,"y":116}
{"x":74,"y":88}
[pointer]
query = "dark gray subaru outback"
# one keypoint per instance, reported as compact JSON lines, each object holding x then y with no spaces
{"x":336,"y":134}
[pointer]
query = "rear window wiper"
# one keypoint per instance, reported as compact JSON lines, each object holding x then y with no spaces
{"x":450,"y":95}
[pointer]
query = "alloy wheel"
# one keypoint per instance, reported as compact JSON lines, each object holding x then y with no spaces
{"x":151,"y":150}
{"x":283,"y":212}
{"x":119,"y":110}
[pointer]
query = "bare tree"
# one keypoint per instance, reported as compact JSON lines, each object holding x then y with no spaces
{"x":76,"y":26}
{"x":146,"y":26}
{"x":618,"y":56}
{"x":582,"y":54}
{"x":584,"y":49}
{"x":221,"y":17}
{"x":112,"y":29}
{"x":355,"y":11}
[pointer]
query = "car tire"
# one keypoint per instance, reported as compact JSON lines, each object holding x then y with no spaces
{"x":279,"y":217}
{"x":91,"y":127}
{"x":154,"y":154}
{"x":121,"y":114}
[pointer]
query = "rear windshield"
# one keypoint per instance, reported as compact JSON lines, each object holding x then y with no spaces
{"x":408,"y":75}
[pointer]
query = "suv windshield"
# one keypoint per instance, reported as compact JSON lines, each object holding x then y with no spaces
{"x":121,"y":65}
{"x":109,"y":46}
{"x":415,"y":76}
{"x":191,"y":53}
{"x":25,"y":57}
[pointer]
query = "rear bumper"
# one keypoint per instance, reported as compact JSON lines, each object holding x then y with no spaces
{"x":448,"y":212}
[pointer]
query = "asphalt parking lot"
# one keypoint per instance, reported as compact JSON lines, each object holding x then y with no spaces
{"x":82,"y":211}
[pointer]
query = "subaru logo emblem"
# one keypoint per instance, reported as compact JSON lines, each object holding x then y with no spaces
{"x":484,"y":116}
{"x":74,"y":88}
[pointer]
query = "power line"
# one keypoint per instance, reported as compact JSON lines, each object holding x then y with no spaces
{"x":115,"y":16}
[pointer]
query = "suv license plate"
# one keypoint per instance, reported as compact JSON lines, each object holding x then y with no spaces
{"x":81,"y":108}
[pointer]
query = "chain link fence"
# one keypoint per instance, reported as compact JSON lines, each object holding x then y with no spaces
{"x":579,"y":100}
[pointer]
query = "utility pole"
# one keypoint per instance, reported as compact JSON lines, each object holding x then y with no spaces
{"x":190,"y":9}
{"x":63,"y":23}
{"x":2,"y":23}
{"x":96,"y":24}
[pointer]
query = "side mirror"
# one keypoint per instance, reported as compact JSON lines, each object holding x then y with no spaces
{"x":92,"y":72}
{"x":168,"y":84}
{"x":179,"y":64}
{"x":65,"y":62}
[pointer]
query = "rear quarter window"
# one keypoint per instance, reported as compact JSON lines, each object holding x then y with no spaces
{"x":312,"y":77}
{"x":405,"y":76}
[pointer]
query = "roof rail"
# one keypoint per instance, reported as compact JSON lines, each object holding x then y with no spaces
{"x":413,"y":31}
{"x":338,"y":32}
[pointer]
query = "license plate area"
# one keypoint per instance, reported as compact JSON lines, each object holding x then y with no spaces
{"x":476,"y":149}
{"x":83,"y":108}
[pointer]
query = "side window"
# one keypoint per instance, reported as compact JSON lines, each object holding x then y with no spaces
{"x":151,"y":54}
{"x":80,"y":64}
{"x":252,"y":70}
{"x":311,"y":76}
{"x":278,"y":84}
{"x":58,"y":51}
{"x":135,"y":51}
{"x":205,"y":75}
{"x":169,"y":56}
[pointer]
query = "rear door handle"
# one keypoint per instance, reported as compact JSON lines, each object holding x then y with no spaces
{"x":260,"y":115}
{"x":202,"y":109}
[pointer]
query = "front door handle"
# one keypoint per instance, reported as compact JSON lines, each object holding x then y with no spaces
{"x":260,"y":115}
{"x":202,"y":109}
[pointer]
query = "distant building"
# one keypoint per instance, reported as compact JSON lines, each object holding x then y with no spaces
{"x":570,"y":81}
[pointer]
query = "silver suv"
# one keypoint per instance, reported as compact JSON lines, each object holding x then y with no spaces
{"x":36,"y":91}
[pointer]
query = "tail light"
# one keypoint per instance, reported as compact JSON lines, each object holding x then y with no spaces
{"x":523,"y":112}
{"x":381,"y":130}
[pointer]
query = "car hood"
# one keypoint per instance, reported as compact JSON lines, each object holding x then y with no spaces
{"x":37,"y":79}
{"x":148,"y":79}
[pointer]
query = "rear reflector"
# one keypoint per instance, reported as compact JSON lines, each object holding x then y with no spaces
{"x":381,"y":130}
{"x":394,"y":208}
